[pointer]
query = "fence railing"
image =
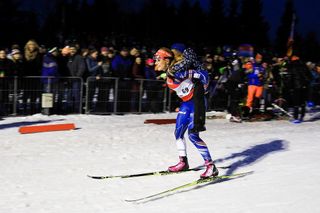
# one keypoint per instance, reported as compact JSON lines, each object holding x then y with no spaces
{"x":112,"y":95}
{"x":64,"y":95}
{"x":34,"y":94}
{"x":104,"y":95}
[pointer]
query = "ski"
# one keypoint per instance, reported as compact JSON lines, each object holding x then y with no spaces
{"x":282,"y":110}
{"x":191,"y":184}
{"x":157,"y":173}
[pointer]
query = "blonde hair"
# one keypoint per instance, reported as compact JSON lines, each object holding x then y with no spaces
{"x":28,"y":54}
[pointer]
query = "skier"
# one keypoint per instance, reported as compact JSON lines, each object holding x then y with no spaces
{"x":181,"y":82}
{"x":186,"y":59}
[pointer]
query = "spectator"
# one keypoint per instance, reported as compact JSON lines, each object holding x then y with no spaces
{"x":137,"y":73}
{"x":106,"y":56}
{"x":42,"y":50}
{"x":107,"y":94}
{"x":5,"y":64}
{"x":122,"y":64}
{"x":18,"y":71}
{"x":153,"y":88}
{"x":94,"y":70}
{"x":234,"y":87}
{"x":255,"y":74}
{"x":314,"y":89}
{"x":17,"y":63}
{"x":62,"y":60}
{"x":33,"y":60}
{"x":134,"y":52}
{"x":122,"y":68}
{"x":50,"y":65}
{"x":76,"y":67}
{"x":93,"y":65}
{"x":6,"y":84}
{"x":50,"y":74}
{"x":300,"y":78}
{"x":76,"y":64}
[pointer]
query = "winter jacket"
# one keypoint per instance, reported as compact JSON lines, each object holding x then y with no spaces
{"x":5,"y":67}
{"x":49,"y":68}
{"x":33,"y":67}
{"x":93,"y":67}
{"x":255,"y":77}
{"x":76,"y":66}
{"x":121,"y":66}
{"x":300,"y":76}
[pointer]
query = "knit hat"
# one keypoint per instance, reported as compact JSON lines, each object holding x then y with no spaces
{"x":104,"y":49}
{"x":162,"y":54}
{"x":294,"y":58}
{"x":150,"y":62}
{"x":178,"y":46}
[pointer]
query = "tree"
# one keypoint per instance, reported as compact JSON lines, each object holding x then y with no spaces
{"x":284,"y":29}
{"x":197,"y":32}
{"x":254,"y":29}
{"x":183,"y":20}
{"x":217,"y":23}
{"x":13,"y":21}
{"x":310,"y":49}
{"x":107,"y":16}
{"x":232,"y":22}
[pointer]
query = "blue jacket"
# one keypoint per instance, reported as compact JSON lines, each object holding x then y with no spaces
{"x":256,"y":76}
{"x":150,"y":73}
{"x":49,"y":68}
{"x":121,"y":66}
{"x":93,"y":67}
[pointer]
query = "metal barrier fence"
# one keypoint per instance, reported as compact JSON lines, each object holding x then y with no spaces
{"x":112,"y":95}
{"x":34,"y":94}
{"x":64,"y":95}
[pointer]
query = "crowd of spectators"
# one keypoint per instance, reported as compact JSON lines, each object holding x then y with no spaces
{"x":227,"y":69}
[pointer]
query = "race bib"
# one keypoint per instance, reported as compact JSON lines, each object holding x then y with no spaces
{"x":184,"y":88}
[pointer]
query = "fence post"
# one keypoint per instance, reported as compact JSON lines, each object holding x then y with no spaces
{"x":81,"y":95}
{"x":165,"y":92}
{"x":169,"y":102}
{"x":140,"y":95}
{"x":87,"y":95}
{"x":15,"y":95}
{"x":115,"y":98}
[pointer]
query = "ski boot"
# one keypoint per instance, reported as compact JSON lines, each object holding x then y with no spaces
{"x":211,"y":170}
{"x":181,"y":166}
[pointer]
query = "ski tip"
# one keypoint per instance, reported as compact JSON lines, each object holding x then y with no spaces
{"x":96,"y":177}
{"x":135,"y":200}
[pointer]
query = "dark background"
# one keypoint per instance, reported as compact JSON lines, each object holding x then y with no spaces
{"x":212,"y":23}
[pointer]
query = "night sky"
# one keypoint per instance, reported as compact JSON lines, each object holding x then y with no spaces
{"x":308,"y":12}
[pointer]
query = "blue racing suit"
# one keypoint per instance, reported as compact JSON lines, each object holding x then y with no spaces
{"x":182,"y":84}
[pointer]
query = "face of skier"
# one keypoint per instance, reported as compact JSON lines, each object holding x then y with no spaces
{"x":162,"y":59}
{"x":161,"y":64}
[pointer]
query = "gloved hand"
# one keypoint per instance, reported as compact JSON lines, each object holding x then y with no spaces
{"x":163,"y":76}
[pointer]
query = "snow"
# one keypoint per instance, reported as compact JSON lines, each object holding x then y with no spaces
{"x":47,"y":172}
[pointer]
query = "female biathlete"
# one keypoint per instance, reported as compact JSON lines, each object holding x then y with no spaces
{"x":182,"y":83}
